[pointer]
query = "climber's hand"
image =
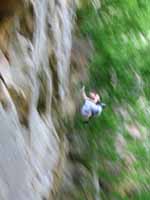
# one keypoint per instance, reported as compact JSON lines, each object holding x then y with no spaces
{"x":103,"y":105}
{"x":83,"y":88}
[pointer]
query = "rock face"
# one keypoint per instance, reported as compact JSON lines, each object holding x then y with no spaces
{"x":35,"y":43}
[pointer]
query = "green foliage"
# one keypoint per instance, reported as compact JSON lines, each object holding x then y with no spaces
{"x":119,"y":68}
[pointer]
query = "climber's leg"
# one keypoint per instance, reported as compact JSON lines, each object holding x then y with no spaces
{"x":86,"y":118}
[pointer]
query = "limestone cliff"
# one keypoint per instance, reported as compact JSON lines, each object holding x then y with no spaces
{"x":35,"y":43}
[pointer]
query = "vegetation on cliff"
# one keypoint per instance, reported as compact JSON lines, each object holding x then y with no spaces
{"x":117,"y":143}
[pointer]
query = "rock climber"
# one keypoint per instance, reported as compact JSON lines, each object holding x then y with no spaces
{"x":92,"y":105}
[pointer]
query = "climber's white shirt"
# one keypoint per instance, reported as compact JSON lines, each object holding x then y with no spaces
{"x":90,"y":108}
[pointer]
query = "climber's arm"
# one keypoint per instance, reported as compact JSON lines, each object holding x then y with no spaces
{"x":84,"y":93}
